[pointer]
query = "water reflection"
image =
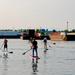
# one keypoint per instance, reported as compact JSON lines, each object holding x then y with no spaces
{"x":5,"y":64}
{"x":34,"y":66}
{"x":45,"y":57}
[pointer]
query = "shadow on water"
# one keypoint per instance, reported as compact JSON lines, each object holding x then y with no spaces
{"x":34,"y":66}
{"x":45,"y":57}
{"x":5,"y":65}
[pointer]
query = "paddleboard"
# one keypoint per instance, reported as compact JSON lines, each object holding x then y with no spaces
{"x":34,"y":57}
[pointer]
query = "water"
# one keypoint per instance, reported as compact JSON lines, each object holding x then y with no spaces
{"x":58,"y":60}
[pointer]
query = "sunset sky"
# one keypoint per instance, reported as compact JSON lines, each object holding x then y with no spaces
{"x":51,"y":14}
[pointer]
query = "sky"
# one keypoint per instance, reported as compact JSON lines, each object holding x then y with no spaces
{"x":35,"y":14}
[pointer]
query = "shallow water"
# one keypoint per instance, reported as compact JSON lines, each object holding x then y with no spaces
{"x":58,"y":60}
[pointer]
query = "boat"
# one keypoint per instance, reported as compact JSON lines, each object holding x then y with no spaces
{"x":57,"y":36}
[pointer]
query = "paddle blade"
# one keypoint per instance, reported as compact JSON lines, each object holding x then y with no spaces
{"x":46,"y":49}
{"x":54,"y":43}
{"x":23,"y":53}
{"x":11,"y":52}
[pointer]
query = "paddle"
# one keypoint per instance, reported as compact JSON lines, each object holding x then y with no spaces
{"x":26,"y":52}
{"x":1,"y":46}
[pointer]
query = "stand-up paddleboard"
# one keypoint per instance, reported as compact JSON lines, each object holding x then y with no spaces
{"x":34,"y":57}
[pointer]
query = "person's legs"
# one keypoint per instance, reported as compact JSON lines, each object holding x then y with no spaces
{"x":5,"y":48}
{"x":36,"y":52}
{"x":45,"y":45}
{"x":33,"y":52}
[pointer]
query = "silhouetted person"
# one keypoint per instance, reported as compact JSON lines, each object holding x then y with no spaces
{"x":5,"y":45}
{"x":45,"y":43}
{"x":34,"y":48}
{"x":5,"y":54}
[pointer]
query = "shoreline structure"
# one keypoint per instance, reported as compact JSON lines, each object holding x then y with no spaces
{"x":53,"y":36}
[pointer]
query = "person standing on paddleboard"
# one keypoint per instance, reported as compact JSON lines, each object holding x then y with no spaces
{"x":5,"y":45}
{"x":34,"y":48}
{"x":5,"y":51}
{"x":45,"y":43}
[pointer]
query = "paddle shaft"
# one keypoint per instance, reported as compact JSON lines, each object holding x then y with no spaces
{"x":1,"y":46}
{"x":26,"y":51}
